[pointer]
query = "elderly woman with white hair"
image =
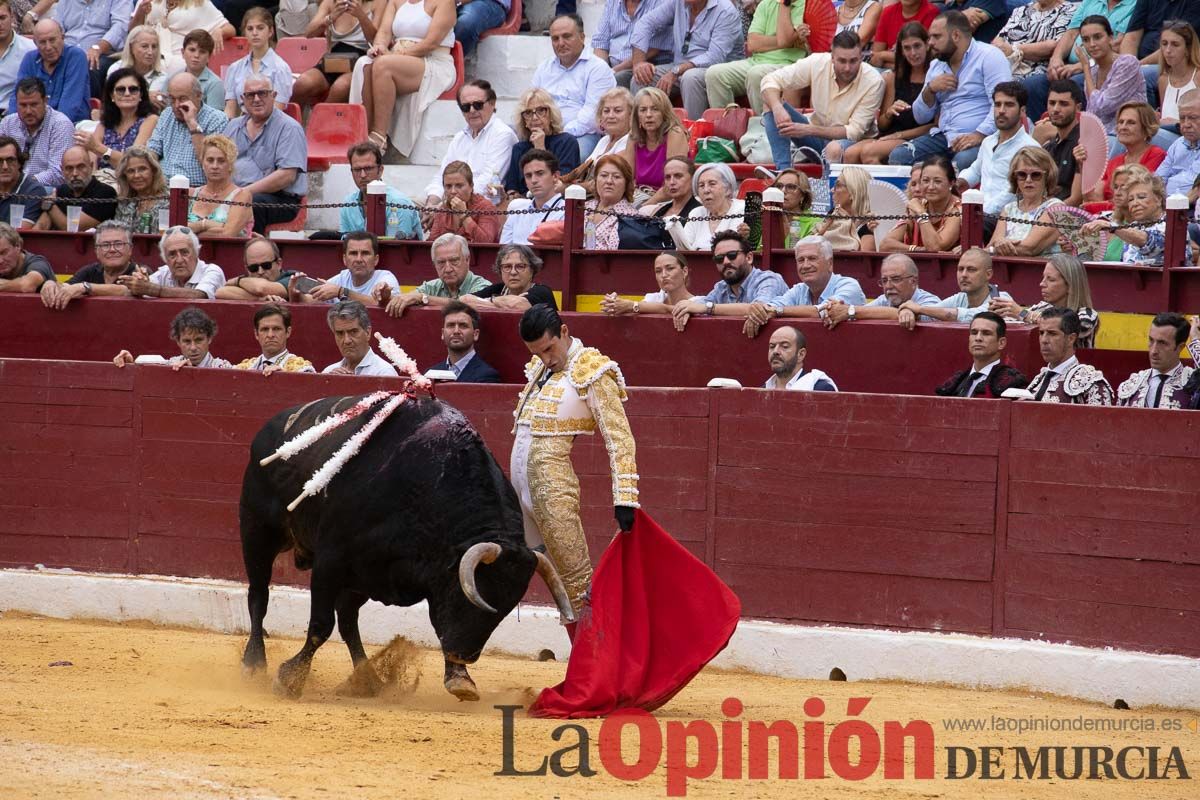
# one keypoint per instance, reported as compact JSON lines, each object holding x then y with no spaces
{"x":516,"y":265}
{"x":452,"y":260}
{"x":716,"y":188}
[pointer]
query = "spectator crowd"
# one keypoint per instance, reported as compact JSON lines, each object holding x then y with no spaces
{"x":107,"y":100}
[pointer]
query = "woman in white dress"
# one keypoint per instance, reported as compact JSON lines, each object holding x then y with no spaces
{"x":405,"y":70}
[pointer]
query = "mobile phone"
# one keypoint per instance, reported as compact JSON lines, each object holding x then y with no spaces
{"x":305,"y":285}
{"x":754,"y":217}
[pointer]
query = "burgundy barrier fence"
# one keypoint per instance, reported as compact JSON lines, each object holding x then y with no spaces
{"x":910,"y":513}
{"x":574,"y":271}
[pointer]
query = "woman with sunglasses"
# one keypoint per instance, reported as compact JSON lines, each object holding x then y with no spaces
{"x":127,"y":118}
{"x":209,"y":210}
{"x":1032,"y":177}
{"x":539,"y":126}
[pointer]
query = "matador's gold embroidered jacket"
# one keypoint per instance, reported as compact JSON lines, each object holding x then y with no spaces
{"x":586,"y":395}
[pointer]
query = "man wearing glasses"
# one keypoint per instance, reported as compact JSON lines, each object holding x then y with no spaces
{"x":272,"y":159}
{"x":706,"y":32}
{"x":265,"y":277}
{"x":485,"y":144}
{"x":42,"y":133}
{"x":15,"y":181}
{"x":114,"y":258}
{"x":366,"y":165}
{"x":898,"y":280}
{"x":178,"y":138}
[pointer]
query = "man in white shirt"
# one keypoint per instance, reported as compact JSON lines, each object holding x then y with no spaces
{"x":540,"y":168}
{"x":358,"y":281}
{"x":183,"y":275}
{"x":576,"y":78}
{"x":976,"y":290}
{"x":989,"y":171}
{"x":485,"y":144}
{"x":786,"y":353}
{"x":352,"y":332}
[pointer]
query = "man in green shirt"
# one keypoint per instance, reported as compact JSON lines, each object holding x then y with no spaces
{"x":775,"y":40}
{"x":452,"y":260}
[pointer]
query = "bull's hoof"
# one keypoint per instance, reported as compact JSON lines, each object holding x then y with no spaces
{"x":458,"y":682}
{"x":250,"y":671}
{"x":289,"y":682}
{"x":363,"y":682}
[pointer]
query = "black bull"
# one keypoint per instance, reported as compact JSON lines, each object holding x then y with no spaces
{"x":422,"y":512}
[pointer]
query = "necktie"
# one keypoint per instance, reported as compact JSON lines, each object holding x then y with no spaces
{"x":1041,"y":392}
{"x":964,"y":389}
{"x":1162,"y":380}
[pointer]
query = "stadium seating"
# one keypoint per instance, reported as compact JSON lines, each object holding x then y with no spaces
{"x":295,"y":225}
{"x":293,"y":111}
{"x":751,"y":185}
{"x":333,"y":127}
{"x":302,"y":54}
{"x":234,"y":49}
{"x":512,"y":22}
{"x":459,"y":74}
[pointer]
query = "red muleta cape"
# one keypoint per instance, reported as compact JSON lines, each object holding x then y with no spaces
{"x":657,"y":616}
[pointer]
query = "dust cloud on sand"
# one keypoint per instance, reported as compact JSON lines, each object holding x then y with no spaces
{"x":155,"y":712}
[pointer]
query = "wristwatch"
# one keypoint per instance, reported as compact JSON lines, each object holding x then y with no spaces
{"x":708,"y":307}
{"x":424,"y":299}
{"x":851,"y":313}
{"x":678,"y":70}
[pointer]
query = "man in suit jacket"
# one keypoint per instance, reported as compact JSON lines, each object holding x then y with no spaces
{"x":988,"y":377}
{"x":460,"y":332}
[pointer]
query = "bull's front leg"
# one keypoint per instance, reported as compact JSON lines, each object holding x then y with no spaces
{"x":458,"y":681}
{"x":364,"y":681}
{"x":294,"y":672}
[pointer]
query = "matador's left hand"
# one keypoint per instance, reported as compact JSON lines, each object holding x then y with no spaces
{"x":624,"y":515}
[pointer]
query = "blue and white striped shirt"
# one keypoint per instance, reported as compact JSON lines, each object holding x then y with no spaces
{"x":616,"y":30}
{"x":716,"y":37}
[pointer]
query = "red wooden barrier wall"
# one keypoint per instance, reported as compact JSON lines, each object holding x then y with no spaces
{"x":919,"y":513}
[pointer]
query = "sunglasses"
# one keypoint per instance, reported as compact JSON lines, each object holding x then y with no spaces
{"x":127,"y":90}
{"x":475,"y":105}
{"x":257,"y":94}
{"x":687,"y":42}
{"x":1032,"y":175}
{"x":732,"y":255}
{"x":262,"y":266}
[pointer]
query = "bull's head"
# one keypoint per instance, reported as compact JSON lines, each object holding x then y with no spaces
{"x":487,"y":553}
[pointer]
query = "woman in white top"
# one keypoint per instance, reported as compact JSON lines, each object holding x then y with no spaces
{"x":614,"y":112}
{"x":349,"y":25}
{"x":258,"y":26}
{"x":671,"y":273}
{"x":173,"y":20}
{"x":142,"y":54}
{"x":716,"y":188}
{"x":406,"y":69}
{"x":1178,"y":65}
{"x":860,"y":18}
{"x":1032,"y":176}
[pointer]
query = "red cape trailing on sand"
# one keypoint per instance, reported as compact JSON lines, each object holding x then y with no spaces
{"x":657,"y":616}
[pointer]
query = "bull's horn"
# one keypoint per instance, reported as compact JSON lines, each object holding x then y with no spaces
{"x":550,"y":575}
{"x":485,"y":552}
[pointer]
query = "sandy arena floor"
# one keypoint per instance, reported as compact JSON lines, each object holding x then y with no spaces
{"x":150,"y":712}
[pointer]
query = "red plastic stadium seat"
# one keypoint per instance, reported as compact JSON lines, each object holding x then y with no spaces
{"x":1098,"y":207}
{"x":459,"y":72}
{"x":300,"y":53}
{"x":512,"y":23}
{"x":750,"y":185}
{"x":234,"y":49}
{"x":743,"y":170}
{"x":293,"y":111}
{"x":295,"y":225}
{"x":682,"y":114}
{"x":332,"y":128}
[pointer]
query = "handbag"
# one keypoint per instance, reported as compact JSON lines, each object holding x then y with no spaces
{"x":643,"y":233}
{"x":549,"y":233}
{"x":732,"y":122}
{"x":754,"y":145}
{"x":714,"y":149}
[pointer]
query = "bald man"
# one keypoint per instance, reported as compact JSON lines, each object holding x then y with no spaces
{"x":62,"y":68}
{"x":178,"y":138}
{"x":79,"y":183}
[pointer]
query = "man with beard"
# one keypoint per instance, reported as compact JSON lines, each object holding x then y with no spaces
{"x":741,"y":282}
{"x":79,"y":183}
{"x":818,"y":287}
{"x":1065,"y":379}
{"x":460,"y":333}
{"x":989,"y":172}
{"x":958,"y":90}
{"x":987,"y":377}
{"x":114,"y":258}
{"x":15,"y":181}
{"x":1065,"y":104}
{"x":786,"y":353}
{"x":1164,"y":384}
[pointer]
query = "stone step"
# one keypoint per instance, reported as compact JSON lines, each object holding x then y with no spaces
{"x":333,"y":185}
